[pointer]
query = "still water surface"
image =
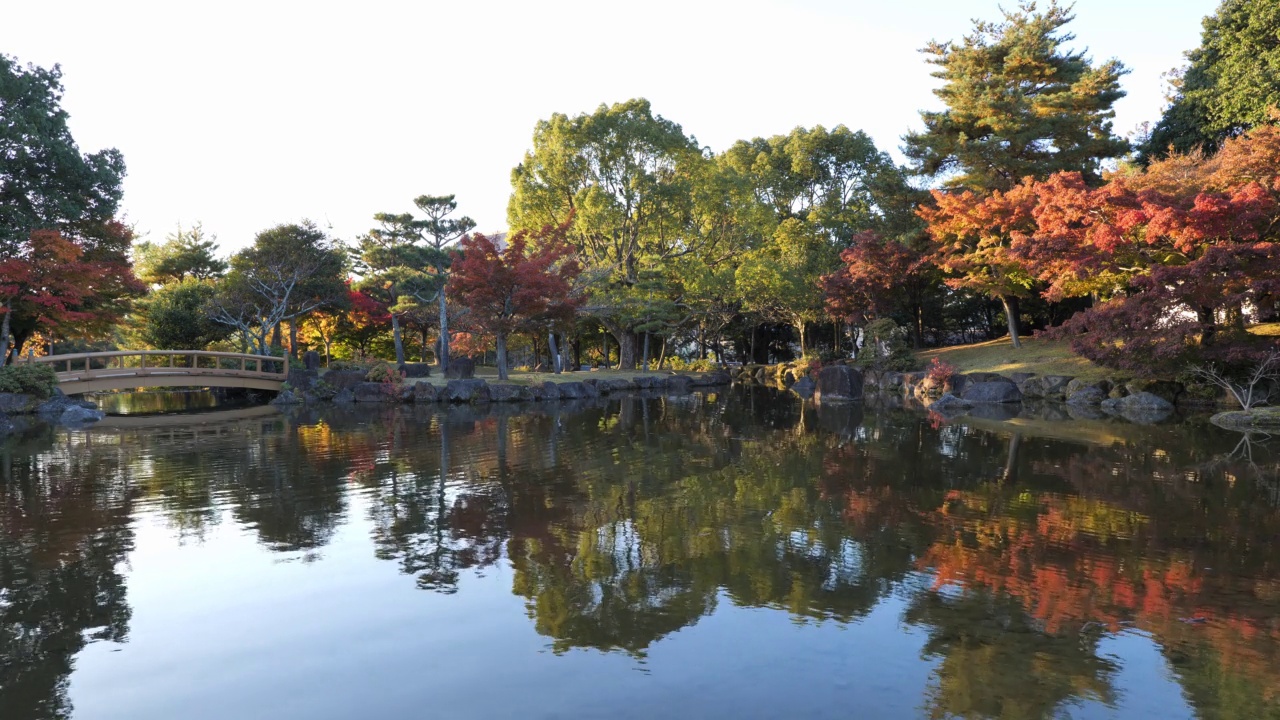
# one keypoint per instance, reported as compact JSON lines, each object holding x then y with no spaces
{"x":733,"y":555}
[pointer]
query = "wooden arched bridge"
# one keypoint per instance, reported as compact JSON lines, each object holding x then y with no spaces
{"x":128,"y":369}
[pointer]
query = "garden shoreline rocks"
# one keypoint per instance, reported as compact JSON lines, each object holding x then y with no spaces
{"x":345,"y":388}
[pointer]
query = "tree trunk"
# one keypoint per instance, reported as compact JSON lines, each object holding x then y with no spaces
{"x":276,"y":337}
{"x":662,"y":353}
{"x":800,"y":327}
{"x":1208,"y":320}
{"x":577,"y":352}
{"x":444,"y":334}
{"x":293,"y":338}
{"x":646,"y":352}
{"x":627,"y":342}
{"x":1011,"y":314}
{"x":501,"y":343}
{"x":554,"y":349}
{"x":917,"y":326}
{"x":604,"y":348}
{"x":4,"y":337}
{"x":422,"y":351}
{"x":395,"y":336}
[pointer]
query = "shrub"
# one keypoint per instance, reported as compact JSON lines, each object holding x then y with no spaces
{"x":29,"y":378}
{"x":385,"y":374}
{"x":349,"y":365}
{"x":940,"y":372}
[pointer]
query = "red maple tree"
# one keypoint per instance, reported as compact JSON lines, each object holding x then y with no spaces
{"x":525,"y":286}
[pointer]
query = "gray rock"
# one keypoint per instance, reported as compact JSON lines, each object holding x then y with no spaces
{"x":1167,"y":390}
{"x":18,"y":403}
{"x":573,"y":390}
{"x":545,"y":391}
{"x":425,"y":392}
{"x":1138,"y":403}
{"x":504,"y":392}
{"x":415,"y":370}
{"x":287,"y":397}
{"x":344,"y":396}
{"x":1087,"y":392}
{"x":991,"y":392}
{"x":985,"y":377}
{"x":679,"y":384}
{"x":6,"y":426}
{"x":804,"y":387}
{"x":460,"y":369}
{"x":714,"y":379}
{"x":1020,"y":377}
{"x":303,"y":380}
{"x":80,"y":416}
{"x":838,"y":383}
{"x":465,"y":391}
{"x":950,"y":402}
{"x":1046,"y":386}
{"x":372,"y":392}
{"x":60,"y":403}
{"x":311,"y":359}
{"x":344,"y":379}
{"x":648,"y":382}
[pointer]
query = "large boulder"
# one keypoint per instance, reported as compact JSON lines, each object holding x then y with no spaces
{"x":302,"y":380}
{"x":949,"y":403}
{"x":311,"y":360}
{"x":372,"y":392}
{"x":679,"y":384}
{"x":545,"y":391}
{"x":343,"y":379}
{"x":804,"y":387}
{"x":575,"y":390}
{"x":1142,"y":407}
{"x":287,"y":397}
{"x":415,"y":370}
{"x":1167,"y":390}
{"x":460,"y":369}
{"x":838,"y":383}
{"x":648,"y":382}
{"x":344,"y":397}
{"x":424,"y":392}
{"x":991,"y":392}
{"x":1263,"y":419}
{"x":1087,"y":392}
{"x":983,"y":377}
{"x":59,"y":403}
{"x":1053,"y":387}
{"x":506,"y":392}
{"x":465,"y":391}
{"x":74,"y":416}
{"x":714,"y":379}
{"x":615,"y":385}
{"x":18,"y":403}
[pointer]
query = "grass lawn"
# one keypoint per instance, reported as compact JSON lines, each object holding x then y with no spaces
{"x":1042,"y":357}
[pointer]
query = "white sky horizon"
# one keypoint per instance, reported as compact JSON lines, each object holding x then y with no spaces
{"x":245,"y":115}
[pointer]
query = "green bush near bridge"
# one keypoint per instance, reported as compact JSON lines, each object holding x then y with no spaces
{"x":36,"y":379}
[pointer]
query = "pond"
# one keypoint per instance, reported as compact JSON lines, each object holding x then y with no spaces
{"x":727,"y":555}
{"x":154,"y":402}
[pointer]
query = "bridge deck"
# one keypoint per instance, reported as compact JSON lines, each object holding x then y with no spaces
{"x":126,"y":369}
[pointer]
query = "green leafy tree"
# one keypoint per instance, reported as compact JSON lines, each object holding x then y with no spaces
{"x":176,"y":317}
{"x":1230,"y":83}
{"x":780,"y":280}
{"x":1018,"y":104}
{"x":290,"y":271}
{"x":183,"y":254}
{"x":46,"y":183}
{"x":625,"y":180}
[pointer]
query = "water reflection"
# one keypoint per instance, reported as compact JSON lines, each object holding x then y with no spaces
{"x":1018,"y":548}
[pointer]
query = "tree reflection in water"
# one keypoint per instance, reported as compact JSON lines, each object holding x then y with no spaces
{"x":624,"y":521}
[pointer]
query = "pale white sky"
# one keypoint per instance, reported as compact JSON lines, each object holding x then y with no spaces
{"x":247,"y":114}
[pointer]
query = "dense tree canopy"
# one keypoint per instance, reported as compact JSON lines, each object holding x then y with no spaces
{"x":1230,"y":83}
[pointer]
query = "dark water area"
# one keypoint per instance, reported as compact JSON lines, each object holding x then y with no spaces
{"x":729,"y":555}
{"x":156,"y":402}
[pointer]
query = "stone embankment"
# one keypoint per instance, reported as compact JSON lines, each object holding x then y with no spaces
{"x":346,"y":386}
{"x":17,"y":408}
{"x":1134,"y":399}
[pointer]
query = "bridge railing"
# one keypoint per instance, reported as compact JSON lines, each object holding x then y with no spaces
{"x":141,"y":363}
